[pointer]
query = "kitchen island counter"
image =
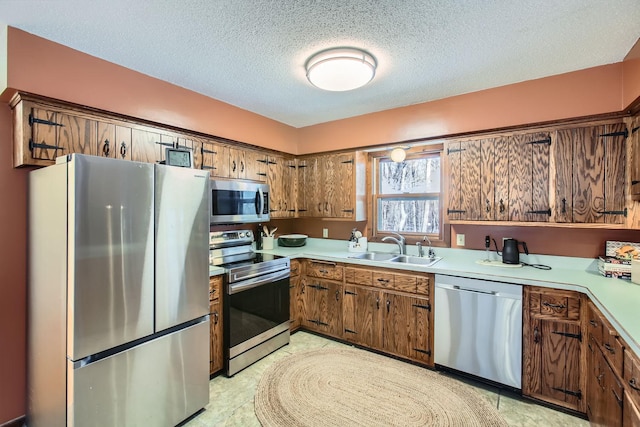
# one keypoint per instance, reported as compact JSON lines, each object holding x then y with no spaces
{"x":619,"y":300}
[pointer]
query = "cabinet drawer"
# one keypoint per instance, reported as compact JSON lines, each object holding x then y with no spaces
{"x":324,"y":270}
{"x":612,"y":347}
{"x":358,"y":276}
{"x":422,"y":287}
{"x":561,"y":305}
{"x":594,"y":323}
{"x":383,"y":279}
{"x":295,"y":267}
{"x":215,"y":287}
{"x":405,"y":283}
{"x":632,"y":375}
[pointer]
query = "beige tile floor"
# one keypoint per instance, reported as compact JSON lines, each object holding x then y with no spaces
{"x":231,"y":399}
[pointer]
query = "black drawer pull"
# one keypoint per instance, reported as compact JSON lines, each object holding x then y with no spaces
{"x":609,"y":348}
{"x":593,"y":323}
{"x":557,"y":306}
{"x":634,"y":384}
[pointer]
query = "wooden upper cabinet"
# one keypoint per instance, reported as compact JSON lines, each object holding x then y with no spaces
{"x":590,"y":174}
{"x":149,"y":146}
{"x":333,"y":186}
{"x":281,"y":177}
{"x":256,"y":165}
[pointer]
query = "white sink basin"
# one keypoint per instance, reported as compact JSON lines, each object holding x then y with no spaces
{"x":375,"y":256}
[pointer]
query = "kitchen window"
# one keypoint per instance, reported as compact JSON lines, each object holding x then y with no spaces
{"x":407,"y":196}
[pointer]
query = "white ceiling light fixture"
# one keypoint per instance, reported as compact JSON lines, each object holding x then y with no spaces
{"x":341,"y":69}
{"x":398,"y":154}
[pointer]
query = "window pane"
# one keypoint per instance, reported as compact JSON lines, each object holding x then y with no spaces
{"x":410,"y":176}
{"x":409,"y":215}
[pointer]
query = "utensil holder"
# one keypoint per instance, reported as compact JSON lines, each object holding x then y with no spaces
{"x":267,"y":242}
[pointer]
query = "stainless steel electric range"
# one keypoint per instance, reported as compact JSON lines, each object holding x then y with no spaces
{"x":255,"y":301}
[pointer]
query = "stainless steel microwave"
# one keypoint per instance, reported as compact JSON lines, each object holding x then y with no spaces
{"x":236,"y":201}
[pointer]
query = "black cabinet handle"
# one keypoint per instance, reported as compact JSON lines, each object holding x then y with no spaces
{"x":378,"y":303}
{"x":502,"y":207}
{"x":593,"y":323}
{"x":337,"y":295}
{"x":105,"y":148}
{"x":536,"y":335}
{"x":609,"y":348}
{"x":216,"y":317}
{"x":488,"y":208}
{"x":302,"y":289}
{"x":564,"y":205}
{"x":633,"y":383}
{"x":388,"y":305}
{"x":233,"y":166}
{"x":557,"y":306}
{"x":123,"y":149}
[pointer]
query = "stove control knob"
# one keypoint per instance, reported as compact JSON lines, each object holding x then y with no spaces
{"x":241,"y":234}
{"x":249,"y":235}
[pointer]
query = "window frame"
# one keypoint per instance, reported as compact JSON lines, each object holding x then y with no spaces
{"x":436,"y":150}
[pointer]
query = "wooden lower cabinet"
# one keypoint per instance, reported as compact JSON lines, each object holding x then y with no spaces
{"x":553,"y":355}
{"x":605,"y":393}
{"x":631,"y":413}
{"x":361,"y":319}
{"x":295,"y":295}
{"x":215,"y":323}
{"x":405,"y":326}
{"x":322,"y":306}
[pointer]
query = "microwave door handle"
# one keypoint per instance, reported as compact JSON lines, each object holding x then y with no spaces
{"x":261,"y":195}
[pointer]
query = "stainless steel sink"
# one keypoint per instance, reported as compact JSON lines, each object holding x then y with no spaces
{"x":407,"y":259}
{"x":375,"y":256}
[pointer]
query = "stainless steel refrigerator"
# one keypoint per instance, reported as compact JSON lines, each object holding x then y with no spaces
{"x":118,"y":331}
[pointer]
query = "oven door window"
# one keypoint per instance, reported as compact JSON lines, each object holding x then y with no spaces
{"x":257,"y":310}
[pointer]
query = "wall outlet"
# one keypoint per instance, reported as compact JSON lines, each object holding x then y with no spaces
{"x":460,"y":239}
{"x":325,"y":233}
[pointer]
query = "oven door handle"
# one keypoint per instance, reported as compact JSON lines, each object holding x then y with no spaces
{"x":234,"y":288}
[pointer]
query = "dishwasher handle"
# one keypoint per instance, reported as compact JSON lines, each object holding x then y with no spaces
{"x":459,"y":288}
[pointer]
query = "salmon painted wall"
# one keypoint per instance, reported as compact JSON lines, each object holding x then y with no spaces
{"x":50,"y":69}
{"x":581,"y":93}
{"x":631,"y":76}
{"x":13,"y":280}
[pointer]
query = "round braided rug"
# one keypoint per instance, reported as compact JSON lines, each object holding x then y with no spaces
{"x":351,"y":387}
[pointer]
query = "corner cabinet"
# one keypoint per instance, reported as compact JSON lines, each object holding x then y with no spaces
{"x":554,"y":358}
{"x":332,"y":186}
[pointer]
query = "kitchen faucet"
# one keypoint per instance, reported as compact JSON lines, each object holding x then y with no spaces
{"x":431,"y":253}
{"x":400,"y":241}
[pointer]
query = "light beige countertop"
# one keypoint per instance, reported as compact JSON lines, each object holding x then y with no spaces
{"x":619,"y":300}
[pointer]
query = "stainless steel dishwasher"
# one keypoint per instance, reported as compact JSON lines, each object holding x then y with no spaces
{"x":478,"y":328}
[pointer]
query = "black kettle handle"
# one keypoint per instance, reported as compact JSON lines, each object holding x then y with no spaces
{"x":524,"y":246}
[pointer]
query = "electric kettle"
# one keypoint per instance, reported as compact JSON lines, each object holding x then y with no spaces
{"x":510,"y":254}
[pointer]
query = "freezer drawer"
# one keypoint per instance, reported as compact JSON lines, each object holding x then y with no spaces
{"x":158,"y":383}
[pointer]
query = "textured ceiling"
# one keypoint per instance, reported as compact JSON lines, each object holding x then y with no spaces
{"x":251,"y":53}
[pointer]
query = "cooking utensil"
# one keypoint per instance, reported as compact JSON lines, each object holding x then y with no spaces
{"x":273,"y":232}
{"x":265,"y":230}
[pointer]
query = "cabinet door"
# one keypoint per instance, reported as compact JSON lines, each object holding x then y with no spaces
{"x":598,"y":190}
{"x":631,"y":413}
{"x":396,"y":328}
{"x":421,"y":335}
{"x":123,"y":143}
{"x":313,"y":187}
{"x":554,"y":357}
{"x":361,"y":316}
{"x":144,"y":147}
{"x":339,"y":186}
{"x":255,"y":165}
{"x":329,"y":303}
{"x":295,"y":301}
{"x":77,"y":134}
{"x":44,"y":134}
{"x":106,"y":142}
{"x":216,"y":345}
{"x":464,"y":159}
{"x":634,"y":161}
{"x":308,"y":306}
{"x":303,"y":187}
{"x":562,"y":210}
{"x":529,"y":177}
{"x":281,"y":179}
{"x":237,"y":168}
